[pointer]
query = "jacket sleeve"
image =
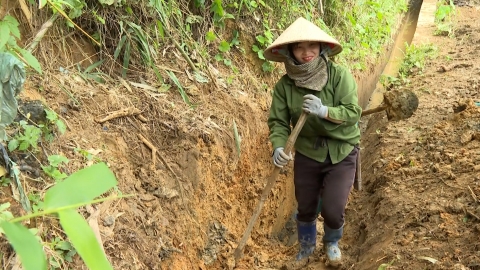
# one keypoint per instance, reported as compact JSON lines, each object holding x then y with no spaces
{"x":348,"y":111}
{"x":279,"y":117}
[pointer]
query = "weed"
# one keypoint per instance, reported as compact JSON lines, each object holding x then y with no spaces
{"x":32,"y":134}
{"x":64,"y":252}
{"x":262,"y":42}
{"x":9,"y":34}
{"x":219,"y":14}
{"x":53,"y":122}
{"x":79,"y":189}
{"x":5,"y":181}
{"x":27,"y":139}
{"x":225,"y":47}
{"x":86,"y":154}
{"x":37,"y":203}
{"x":388,"y":82}
{"x":180,"y":88}
{"x":384,"y":266}
{"x":444,"y":16}
{"x":132,"y":36}
{"x":88,"y":73}
{"x":369,"y":25}
{"x":415,"y":58}
{"x":54,"y":163}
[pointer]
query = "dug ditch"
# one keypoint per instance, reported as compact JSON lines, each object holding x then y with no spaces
{"x":371,"y":95}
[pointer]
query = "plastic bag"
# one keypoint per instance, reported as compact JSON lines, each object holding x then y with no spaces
{"x":12,"y":78}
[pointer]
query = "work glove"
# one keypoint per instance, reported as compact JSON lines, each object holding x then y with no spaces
{"x":313,"y":105}
{"x":280,"y":158}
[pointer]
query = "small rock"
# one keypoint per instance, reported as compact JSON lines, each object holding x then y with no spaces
{"x":263,"y":257}
{"x":33,"y":110}
{"x":455,"y":207}
{"x":109,"y":221}
{"x":459,"y":267}
{"x":164,"y":192}
{"x":466,"y":137}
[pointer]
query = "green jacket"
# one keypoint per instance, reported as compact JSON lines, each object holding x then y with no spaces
{"x":339,"y":94}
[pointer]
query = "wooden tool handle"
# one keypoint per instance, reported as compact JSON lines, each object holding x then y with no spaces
{"x":271,"y":181}
{"x":374,"y":110}
{"x":357,"y":184}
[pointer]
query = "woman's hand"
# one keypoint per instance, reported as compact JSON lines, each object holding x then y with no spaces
{"x":313,"y":105}
{"x":280,"y":158}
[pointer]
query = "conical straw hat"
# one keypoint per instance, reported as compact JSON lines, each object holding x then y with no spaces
{"x":300,"y":31}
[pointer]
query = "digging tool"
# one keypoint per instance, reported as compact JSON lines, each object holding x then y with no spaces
{"x":398,"y":105}
{"x":271,"y":181}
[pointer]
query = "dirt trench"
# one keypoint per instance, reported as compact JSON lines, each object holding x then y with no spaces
{"x":420,"y":208}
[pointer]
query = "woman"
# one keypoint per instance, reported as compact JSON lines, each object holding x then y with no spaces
{"x":326,"y":148}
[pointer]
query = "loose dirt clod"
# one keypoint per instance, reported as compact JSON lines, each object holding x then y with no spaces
{"x":400,"y":104}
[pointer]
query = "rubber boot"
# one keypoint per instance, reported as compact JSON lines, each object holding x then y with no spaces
{"x":307,"y":238}
{"x":330,"y":244}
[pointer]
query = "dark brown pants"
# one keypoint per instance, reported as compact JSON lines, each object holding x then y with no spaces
{"x":331,"y":182}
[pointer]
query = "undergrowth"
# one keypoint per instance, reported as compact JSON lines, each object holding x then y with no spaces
{"x":444,"y":18}
{"x":414,"y":62}
{"x":131,"y":35}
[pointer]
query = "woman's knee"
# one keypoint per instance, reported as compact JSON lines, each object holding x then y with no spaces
{"x":332,"y":218}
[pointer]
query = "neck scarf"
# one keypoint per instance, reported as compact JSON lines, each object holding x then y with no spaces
{"x":312,"y":75}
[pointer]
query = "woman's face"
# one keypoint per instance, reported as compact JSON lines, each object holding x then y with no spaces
{"x":305,"y":52}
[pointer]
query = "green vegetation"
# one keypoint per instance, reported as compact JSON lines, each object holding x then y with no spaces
{"x":62,"y":200}
{"x":444,"y":18}
{"x":415,"y":58}
{"x":29,"y":136}
{"x":54,"y":163}
{"x":9,"y":35}
{"x":414,"y":61}
{"x":384,"y":266}
{"x":363,"y":28}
